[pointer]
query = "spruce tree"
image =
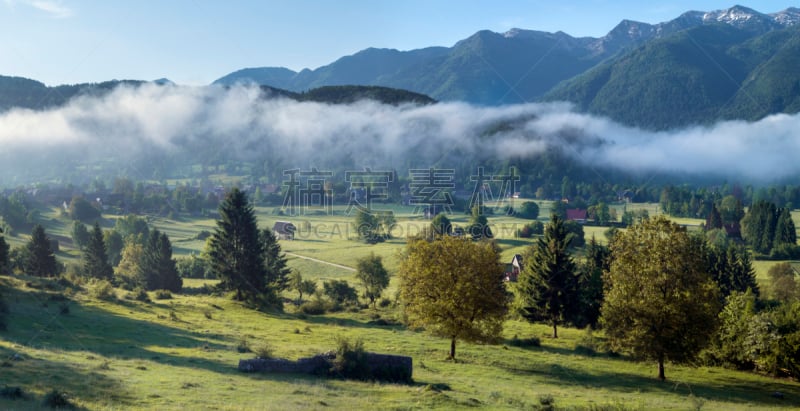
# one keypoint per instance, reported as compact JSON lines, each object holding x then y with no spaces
{"x":95,"y":258}
{"x":785,"y":232}
{"x":547,"y":289}
{"x":277,"y":273}
{"x":40,"y":260}
{"x":236,"y":252}
{"x":157,"y":267}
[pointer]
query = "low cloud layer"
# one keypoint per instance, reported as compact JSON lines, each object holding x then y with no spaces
{"x":130,"y":123}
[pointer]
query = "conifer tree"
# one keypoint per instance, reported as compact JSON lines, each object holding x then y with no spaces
{"x":95,"y":259}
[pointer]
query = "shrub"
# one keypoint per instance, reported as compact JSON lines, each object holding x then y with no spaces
{"x":351,"y":360}
{"x":525,"y":342}
{"x":313,"y":307}
{"x":140,"y":294}
{"x":264,"y":350}
{"x":243,"y":346}
{"x":162,"y":295}
{"x":384,"y":302}
{"x":340,"y":292}
{"x":102,"y":290}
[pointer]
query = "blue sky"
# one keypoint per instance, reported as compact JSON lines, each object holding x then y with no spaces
{"x":196,"y":41}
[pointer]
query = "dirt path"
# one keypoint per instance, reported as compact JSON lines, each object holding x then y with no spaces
{"x":343,"y":267}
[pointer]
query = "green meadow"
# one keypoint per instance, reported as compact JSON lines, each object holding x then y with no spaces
{"x":182,"y":353}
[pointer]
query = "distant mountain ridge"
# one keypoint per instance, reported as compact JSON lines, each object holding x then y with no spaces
{"x":519,"y":65}
{"x":19,"y":92}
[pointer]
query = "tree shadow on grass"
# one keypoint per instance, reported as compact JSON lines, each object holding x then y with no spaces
{"x":347,"y":322}
{"x":735,"y":390}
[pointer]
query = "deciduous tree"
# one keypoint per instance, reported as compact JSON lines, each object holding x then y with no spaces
{"x":660,"y":303}
{"x":454,"y":288}
{"x":373,"y":276}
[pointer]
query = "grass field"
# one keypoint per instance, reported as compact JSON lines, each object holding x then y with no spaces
{"x":180,"y":354}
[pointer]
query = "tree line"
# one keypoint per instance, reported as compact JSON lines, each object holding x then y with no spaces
{"x":658,"y":291}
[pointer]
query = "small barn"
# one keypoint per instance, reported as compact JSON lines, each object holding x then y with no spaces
{"x":284,"y":230}
{"x":577,"y":214}
{"x":513,"y":269}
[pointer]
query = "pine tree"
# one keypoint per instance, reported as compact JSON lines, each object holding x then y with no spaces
{"x":590,"y":284}
{"x":80,"y":235}
{"x":714,"y":219}
{"x":95,"y":259}
{"x":785,"y":232}
{"x":236,"y":253}
{"x":277,"y":272}
{"x":157,"y":267}
{"x":547,"y":289}
{"x":40,"y":260}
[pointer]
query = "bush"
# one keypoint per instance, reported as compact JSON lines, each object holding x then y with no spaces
{"x":531,"y":229}
{"x":264,"y":350}
{"x":139,"y":294}
{"x":56,"y":399}
{"x":313,"y":307}
{"x":340,"y":292}
{"x":351,"y":360}
{"x":525,"y":342}
{"x":162,"y":295}
{"x":243,"y":346}
{"x":529,"y":210}
{"x":102,"y":290}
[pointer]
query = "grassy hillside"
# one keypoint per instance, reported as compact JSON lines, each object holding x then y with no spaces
{"x":181,"y":354}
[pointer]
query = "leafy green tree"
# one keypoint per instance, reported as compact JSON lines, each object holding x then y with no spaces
{"x":82,"y":210}
{"x":478,"y":226}
{"x":340,"y":292}
{"x":373,"y":276}
{"x":454,"y":288}
{"x":114,"y":245}
{"x":783,"y":283}
{"x":366,"y":224}
{"x":529,"y":210}
{"x":660,"y":303}
{"x":302,"y":286}
{"x":192,"y":267}
{"x":236,"y":252}
{"x":39,"y":258}
{"x":576,"y":229}
{"x":441,"y":225}
{"x":547,"y":289}
{"x":80,"y":235}
{"x":730,"y":209}
{"x":95,"y":260}
{"x":132,"y":226}
{"x":128,"y":271}
{"x":731,"y":344}
{"x":277,"y":272}
{"x":157,"y":269}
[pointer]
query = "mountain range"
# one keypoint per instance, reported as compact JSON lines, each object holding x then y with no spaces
{"x":698,"y":68}
{"x":695,"y":69}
